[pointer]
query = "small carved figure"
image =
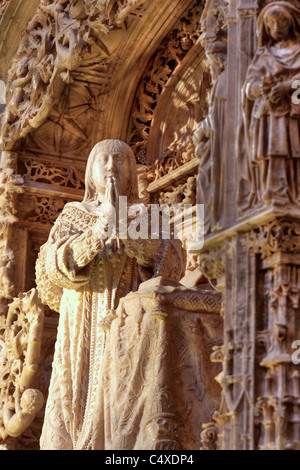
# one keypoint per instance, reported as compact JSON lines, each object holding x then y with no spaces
{"x":16,"y":92}
{"x":16,"y":418}
{"x":209,"y":140}
{"x":189,"y":191}
{"x":171,"y":197}
{"x":20,"y":344}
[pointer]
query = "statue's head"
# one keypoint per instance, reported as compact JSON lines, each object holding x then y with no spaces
{"x":216,"y":54}
{"x":111,"y":158}
{"x":278,"y":21}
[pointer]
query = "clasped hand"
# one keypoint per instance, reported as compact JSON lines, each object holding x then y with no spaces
{"x":106,"y":226}
{"x":274,"y":91}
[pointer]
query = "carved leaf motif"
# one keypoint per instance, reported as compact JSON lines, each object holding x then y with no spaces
{"x":279,"y":236}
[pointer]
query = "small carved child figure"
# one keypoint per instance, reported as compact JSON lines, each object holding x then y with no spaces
{"x":14,"y":423}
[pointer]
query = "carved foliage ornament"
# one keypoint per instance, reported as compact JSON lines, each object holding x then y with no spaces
{"x":40,"y":172}
{"x":56,"y":38}
{"x":212,"y":263}
{"x":42,"y":210}
{"x":281,"y":236}
{"x":10,"y":186}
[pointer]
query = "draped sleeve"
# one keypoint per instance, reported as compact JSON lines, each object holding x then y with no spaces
{"x":164,"y":257}
{"x":66,"y":260}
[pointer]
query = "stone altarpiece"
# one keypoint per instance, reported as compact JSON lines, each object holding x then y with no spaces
{"x":85,"y":71}
{"x":170,"y":79}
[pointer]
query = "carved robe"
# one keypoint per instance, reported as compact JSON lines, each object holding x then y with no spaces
{"x":85,"y":283}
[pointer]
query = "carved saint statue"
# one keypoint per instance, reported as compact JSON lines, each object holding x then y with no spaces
{"x":269,"y":144}
{"x":209,"y":140}
{"x":83,"y":274}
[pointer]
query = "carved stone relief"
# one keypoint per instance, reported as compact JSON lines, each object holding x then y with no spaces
{"x":211,"y":106}
{"x":34,"y":170}
{"x":57,"y":35}
{"x":21,"y":335}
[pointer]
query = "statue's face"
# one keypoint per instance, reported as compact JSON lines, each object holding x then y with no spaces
{"x":278,"y":24}
{"x":112,"y":164}
{"x":215,"y":66}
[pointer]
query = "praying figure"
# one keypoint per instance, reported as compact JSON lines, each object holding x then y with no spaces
{"x":82,"y":272}
{"x":269,"y":140}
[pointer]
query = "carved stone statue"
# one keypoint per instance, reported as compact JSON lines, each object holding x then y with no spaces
{"x":126,"y":326}
{"x":209,"y":140}
{"x":269,"y":140}
{"x":17,"y":418}
{"x":83,"y":274}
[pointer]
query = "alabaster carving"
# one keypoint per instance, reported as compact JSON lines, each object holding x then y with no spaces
{"x":156,"y":348}
{"x":209,"y":139}
{"x":277,"y":409}
{"x":20,"y":345}
{"x":83,"y":275}
{"x":269,"y":139}
{"x":182,"y":194}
